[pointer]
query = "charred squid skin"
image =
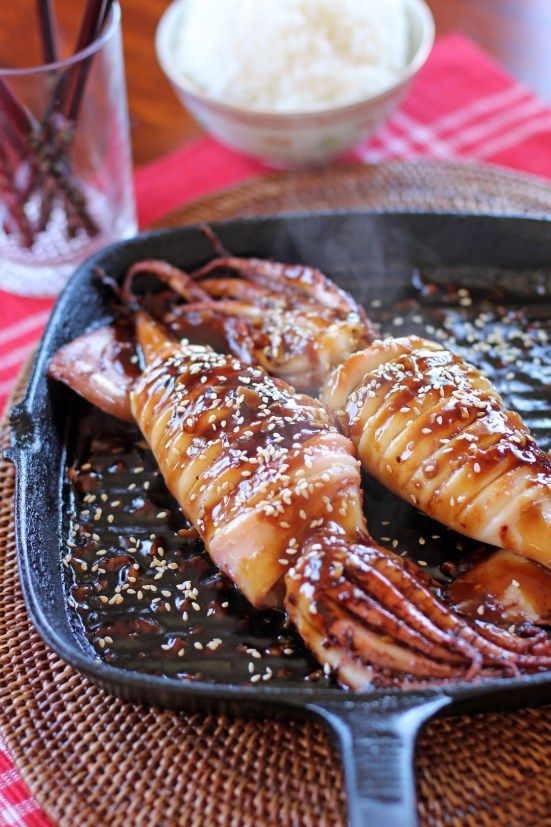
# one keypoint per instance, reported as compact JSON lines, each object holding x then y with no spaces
{"x":353,"y":669}
{"x":355,"y":564}
{"x":336,"y":593}
{"x":380,"y":617}
{"x":459,"y":628}
{"x":341,"y":623}
{"x":530,"y":641}
{"x":338,"y":638}
{"x":419,"y":608}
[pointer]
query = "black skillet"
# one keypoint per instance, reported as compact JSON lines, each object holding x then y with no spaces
{"x":378,"y":257}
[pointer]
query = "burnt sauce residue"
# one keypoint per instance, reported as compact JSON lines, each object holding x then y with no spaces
{"x":150,"y":599}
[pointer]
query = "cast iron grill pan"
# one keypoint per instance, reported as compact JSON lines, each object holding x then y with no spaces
{"x":438,"y":275}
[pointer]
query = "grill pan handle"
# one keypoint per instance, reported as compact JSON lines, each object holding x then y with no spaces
{"x":377,"y":739}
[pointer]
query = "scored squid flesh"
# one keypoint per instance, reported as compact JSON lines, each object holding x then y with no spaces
{"x":432,"y":429}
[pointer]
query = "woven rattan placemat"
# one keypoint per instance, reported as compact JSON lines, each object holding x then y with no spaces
{"x":424,"y":185}
{"x":92,"y":760}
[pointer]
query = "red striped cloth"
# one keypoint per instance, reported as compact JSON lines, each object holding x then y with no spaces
{"x":462,"y":105}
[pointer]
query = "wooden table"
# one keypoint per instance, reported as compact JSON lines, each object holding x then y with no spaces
{"x":516,"y":32}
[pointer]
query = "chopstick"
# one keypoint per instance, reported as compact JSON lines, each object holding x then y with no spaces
{"x":48,"y":32}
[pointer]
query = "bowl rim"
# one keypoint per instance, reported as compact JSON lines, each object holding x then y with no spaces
{"x":266,"y":116}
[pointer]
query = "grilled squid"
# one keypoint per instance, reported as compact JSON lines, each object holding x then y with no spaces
{"x":255,"y":466}
{"x":432,"y":429}
{"x":101,"y":366}
{"x":288,"y":318}
{"x":273,"y":489}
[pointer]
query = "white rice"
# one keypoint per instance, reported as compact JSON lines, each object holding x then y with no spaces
{"x":291,"y":55}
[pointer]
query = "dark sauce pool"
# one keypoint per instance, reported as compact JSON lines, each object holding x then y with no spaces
{"x":148,"y":599}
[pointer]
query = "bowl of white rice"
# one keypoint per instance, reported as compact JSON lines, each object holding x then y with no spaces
{"x":293,"y":82}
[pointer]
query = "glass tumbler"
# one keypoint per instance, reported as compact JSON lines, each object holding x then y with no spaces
{"x":65,"y":171}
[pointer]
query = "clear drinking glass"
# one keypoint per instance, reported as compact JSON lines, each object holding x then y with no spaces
{"x":65,"y":181}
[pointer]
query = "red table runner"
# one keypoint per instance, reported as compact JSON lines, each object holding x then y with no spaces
{"x":462,"y":105}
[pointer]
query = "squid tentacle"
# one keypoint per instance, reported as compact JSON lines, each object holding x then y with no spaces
{"x":275,"y":275}
{"x":458,"y":628}
{"x":178,"y":280}
{"x":333,"y":597}
{"x":379,"y":617}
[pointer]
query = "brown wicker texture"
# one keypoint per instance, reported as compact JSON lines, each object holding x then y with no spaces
{"x":454,"y":187}
{"x":93,"y":760}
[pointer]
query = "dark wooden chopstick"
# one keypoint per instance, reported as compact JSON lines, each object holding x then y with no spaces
{"x":48,"y":30}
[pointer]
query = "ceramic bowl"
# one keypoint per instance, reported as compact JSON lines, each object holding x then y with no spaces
{"x":295,"y":139}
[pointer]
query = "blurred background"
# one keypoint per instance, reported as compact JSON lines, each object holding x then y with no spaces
{"x":515,"y":32}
